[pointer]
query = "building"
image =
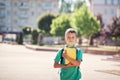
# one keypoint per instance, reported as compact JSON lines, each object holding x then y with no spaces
{"x":107,"y":8}
{"x":15,"y":14}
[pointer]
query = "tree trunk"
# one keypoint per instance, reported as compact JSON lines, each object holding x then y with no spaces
{"x":91,"y":43}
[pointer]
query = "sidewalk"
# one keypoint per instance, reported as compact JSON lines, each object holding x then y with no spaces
{"x":41,"y":48}
{"x":104,"y":50}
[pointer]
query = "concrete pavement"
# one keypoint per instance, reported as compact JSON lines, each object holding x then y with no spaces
{"x":20,"y":63}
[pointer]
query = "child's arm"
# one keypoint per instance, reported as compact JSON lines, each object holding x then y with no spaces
{"x":57,"y":65}
{"x":74,"y":62}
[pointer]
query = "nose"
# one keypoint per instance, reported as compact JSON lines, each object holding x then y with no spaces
{"x":71,"y":39}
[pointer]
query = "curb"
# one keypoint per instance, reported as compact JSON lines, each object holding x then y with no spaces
{"x":89,"y":51}
{"x":102,"y":52}
{"x":41,"y":48}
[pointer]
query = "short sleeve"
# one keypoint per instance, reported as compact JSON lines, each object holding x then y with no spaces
{"x":79,"y":54}
{"x":58,"y":56}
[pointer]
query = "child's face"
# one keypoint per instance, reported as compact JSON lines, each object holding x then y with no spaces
{"x":70,"y":39}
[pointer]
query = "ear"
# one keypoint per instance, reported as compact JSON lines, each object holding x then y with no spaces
{"x":76,"y":39}
{"x":65,"y":39}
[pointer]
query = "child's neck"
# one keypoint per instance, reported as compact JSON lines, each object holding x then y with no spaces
{"x":69,"y":45}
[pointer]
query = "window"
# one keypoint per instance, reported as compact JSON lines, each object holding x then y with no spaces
{"x":55,"y":5}
{"x":47,"y":6}
{"x":119,"y":3}
{"x":2,"y":4}
{"x":105,"y":11}
{"x":2,"y":13}
{"x":109,"y":2}
{"x":15,"y":4}
{"x":112,"y":2}
{"x":32,"y":13}
{"x":22,"y":22}
{"x":115,"y":2}
{"x":8,"y":13}
{"x":112,"y":11}
{"x":105,"y":20}
{"x":24,"y":14}
{"x":24,"y":4}
{"x":15,"y":21}
{"x":105,"y":2}
{"x":1,"y":21}
{"x":32,"y":5}
{"x":39,"y":13}
{"x":8,"y":4}
{"x":39,"y":5}
{"x":8,"y":21}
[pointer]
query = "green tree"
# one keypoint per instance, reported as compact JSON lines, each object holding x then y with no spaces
{"x":26,"y":30}
{"x":78,"y":4}
{"x":60,"y":24}
{"x":85,"y":22}
{"x":44,"y":23}
{"x":115,"y":33}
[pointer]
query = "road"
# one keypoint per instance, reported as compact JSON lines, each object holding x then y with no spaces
{"x":20,"y":63}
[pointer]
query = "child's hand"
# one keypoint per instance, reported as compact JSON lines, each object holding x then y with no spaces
{"x":64,"y":55}
{"x":69,"y":65}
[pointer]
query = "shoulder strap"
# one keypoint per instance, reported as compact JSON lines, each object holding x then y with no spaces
{"x":76,"y":50}
{"x":61,"y":56}
{"x":76,"y":53}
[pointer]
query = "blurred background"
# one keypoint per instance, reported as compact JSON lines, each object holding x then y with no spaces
{"x":45,"y":21}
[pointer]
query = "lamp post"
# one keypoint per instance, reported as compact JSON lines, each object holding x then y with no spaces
{"x":118,"y":12}
{"x":118,"y":9}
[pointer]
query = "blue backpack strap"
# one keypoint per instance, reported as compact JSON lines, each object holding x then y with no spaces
{"x":61,"y":61}
{"x":76,"y":53}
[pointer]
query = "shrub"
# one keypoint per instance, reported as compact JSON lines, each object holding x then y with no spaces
{"x":19,"y":38}
{"x":34,"y":36}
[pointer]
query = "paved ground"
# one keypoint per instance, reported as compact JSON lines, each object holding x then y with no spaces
{"x":19,"y":63}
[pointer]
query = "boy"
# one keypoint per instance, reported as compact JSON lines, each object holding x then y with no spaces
{"x":68,"y":64}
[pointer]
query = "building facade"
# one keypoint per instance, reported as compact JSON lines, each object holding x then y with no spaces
{"x":15,"y":14}
{"x":107,"y":8}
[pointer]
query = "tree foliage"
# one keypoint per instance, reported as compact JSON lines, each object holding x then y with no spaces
{"x":78,"y":4}
{"x":26,"y":30}
{"x":44,"y":22}
{"x":59,"y":25}
{"x":85,"y":22}
{"x":116,"y":28}
{"x":82,"y":20}
{"x":99,"y":17}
